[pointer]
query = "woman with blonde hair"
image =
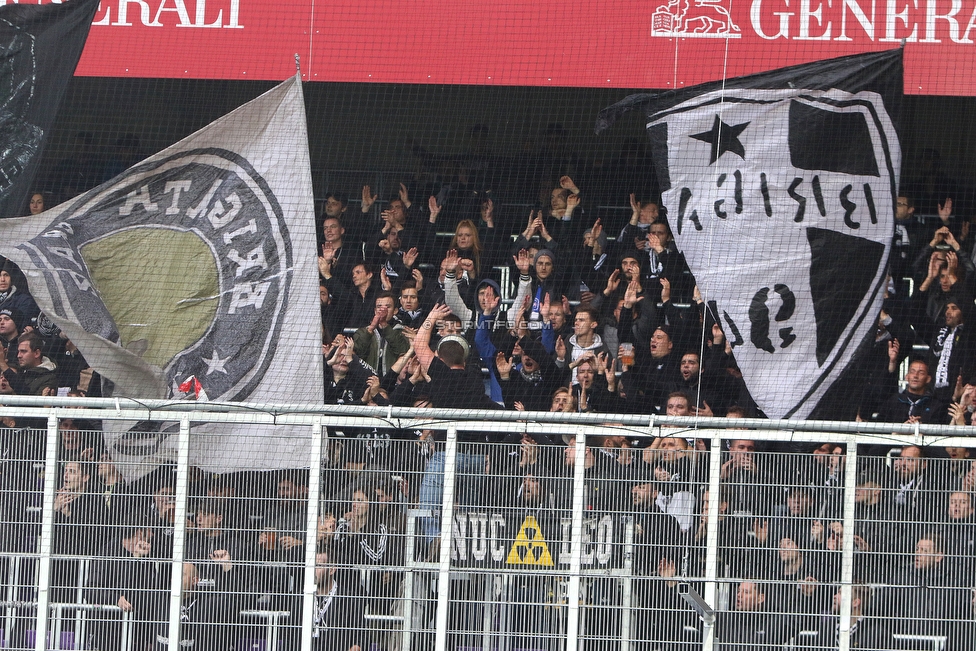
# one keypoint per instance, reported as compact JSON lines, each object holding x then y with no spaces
{"x":468,"y":245}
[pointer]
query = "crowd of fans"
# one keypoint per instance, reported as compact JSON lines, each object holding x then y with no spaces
{"x":615,"y":317}
{"x":780,"y":535}
{"x":604,"y":322}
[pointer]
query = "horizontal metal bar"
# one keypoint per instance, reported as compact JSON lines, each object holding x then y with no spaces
{"x":499,"y":421}
{"x":266,"y":613}
{"x":62,"y":606}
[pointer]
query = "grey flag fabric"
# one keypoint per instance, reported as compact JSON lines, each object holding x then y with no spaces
{"x":197,"y":265}
{"x":39,"y":49}
{"x":781,"y":190}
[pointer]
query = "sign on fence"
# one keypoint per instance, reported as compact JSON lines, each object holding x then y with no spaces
{"x":536,"y":540}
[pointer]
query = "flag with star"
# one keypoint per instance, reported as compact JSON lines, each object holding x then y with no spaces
{"x":780,"y":189}
{"x":193,"y":275}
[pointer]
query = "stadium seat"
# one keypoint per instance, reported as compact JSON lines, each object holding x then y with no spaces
{"x":67,"y":641}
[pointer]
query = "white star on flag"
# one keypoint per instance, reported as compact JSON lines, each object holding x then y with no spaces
{"x":215,"y":364}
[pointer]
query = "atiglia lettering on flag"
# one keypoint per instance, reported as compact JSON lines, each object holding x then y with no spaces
{"x":196,"y":267}
{"x":780,"y":189}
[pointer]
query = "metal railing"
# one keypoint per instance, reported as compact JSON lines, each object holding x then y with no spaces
{"x":598,"y":543}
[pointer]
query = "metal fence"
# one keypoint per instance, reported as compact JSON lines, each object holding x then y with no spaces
{"x":565,"y":532}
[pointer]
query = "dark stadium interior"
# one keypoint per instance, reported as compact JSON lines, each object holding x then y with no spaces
{"x":417,"y":133}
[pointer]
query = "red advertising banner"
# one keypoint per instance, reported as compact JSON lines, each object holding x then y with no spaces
{"x":582,"y":43}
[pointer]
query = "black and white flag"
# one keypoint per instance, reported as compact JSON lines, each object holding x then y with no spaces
{"x":196,"y":265}
{"x":39,"y":48}
{"x":780,"y":189}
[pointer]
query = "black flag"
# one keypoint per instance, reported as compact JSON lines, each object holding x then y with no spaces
{"x":781,"y":190}
{"x":39,"y":48}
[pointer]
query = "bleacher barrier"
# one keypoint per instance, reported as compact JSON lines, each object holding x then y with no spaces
{"x":572,"y":531}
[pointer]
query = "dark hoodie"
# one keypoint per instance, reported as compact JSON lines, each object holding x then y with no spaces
{"x":466,"y":310}
{"x":16,"y":297}
{"x":533,"y":390}
{"x":482,"y":335}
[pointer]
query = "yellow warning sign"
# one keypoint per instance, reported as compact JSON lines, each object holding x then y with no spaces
{"x":530,"y":547}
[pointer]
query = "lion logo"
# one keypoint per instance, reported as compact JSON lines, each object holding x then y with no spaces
{"x":695,"y":19}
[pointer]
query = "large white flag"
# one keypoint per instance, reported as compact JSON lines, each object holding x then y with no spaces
{"x":197,"y":262}
{"x":781,"y":189}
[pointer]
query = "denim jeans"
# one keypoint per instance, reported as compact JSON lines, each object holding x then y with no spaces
{"x":470,"y":482}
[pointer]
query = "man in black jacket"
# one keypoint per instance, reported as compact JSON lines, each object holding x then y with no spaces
{"x":126,"y":575}
{"x":930,"y":595}
{"x":220,"y":555}
{"x":339,"y":623}
{"x":952,"y":341}
{"x":751,"y":626}
{"x":338,"y":257}
{"x":204,"y":622}
{"x":655,"y":371}
{"x":36,"y":376}
{"x":866,"y":632}
{"x":915,"y":404}
{"x":534,"y":382}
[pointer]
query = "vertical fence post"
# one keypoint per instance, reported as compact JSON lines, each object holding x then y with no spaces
{"x":711,"y":542}
{"x":47,"y":535}
{"x":627,"y":587}
{"x":847,"y":547}
{"x":13,"y":581}
{"x":576,"y":550}
{"x":447,"y":525}
{"x":311,"y":533}
{"x":409,"y":561}
{"x":179,"y":534}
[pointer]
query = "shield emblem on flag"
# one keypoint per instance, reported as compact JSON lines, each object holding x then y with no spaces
{"x":783,"y":204}
{"x":781,"y":190}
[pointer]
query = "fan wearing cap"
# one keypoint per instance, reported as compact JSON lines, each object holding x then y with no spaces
{"x":36,"y":375}
{"x":16,"y":296}
{"x":544,"y":284}
{"x":487,"y":318}
{"x":451,"y":385}
{"x":9,"y":331}
{"x":544,"y":281}
{"x":531,"y":379}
